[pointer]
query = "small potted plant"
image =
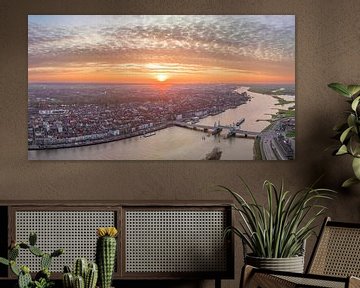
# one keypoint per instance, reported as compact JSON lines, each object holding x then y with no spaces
{"x":42,"y":278}
{"x":106,"y":254}
{"x":84,"y":274}
{"x":349,"y":131}
{"x":276,"y":233}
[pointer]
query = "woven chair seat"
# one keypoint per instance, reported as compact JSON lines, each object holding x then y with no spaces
{"x":313,"y":282}
{"x":335,"y":262}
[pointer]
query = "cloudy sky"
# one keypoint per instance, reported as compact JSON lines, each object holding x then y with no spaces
{"x":175,"y":49}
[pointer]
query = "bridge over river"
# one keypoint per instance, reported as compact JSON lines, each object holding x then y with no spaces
{"x":237,"y":132}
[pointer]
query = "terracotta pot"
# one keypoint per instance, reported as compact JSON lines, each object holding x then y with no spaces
{"x":291,"y":264}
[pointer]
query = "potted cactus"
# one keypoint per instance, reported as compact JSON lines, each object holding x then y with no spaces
{"x":42,"y":278}
{"x":106,"y":254}
{"x":85,"y":275}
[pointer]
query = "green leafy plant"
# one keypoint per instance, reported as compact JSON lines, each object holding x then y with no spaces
{"x":349,"y":131}
{"x":279,"y":229}
{"x":42,"y":278}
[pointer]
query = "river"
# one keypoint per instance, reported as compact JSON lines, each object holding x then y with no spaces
{"x":176,"y":143}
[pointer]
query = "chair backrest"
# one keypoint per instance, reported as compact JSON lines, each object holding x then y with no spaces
{"x":337,"y":251}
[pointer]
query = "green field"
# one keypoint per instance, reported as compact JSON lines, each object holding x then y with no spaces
{"x":282,"y":101}
{"x":291,"y":134}
{"x":283,"y":113}
{"x":273,"y":89}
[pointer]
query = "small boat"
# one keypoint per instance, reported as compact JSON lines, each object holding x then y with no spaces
{"x":242,"y":120}
{"x":149,"y":134}
{"x":216,"y":131}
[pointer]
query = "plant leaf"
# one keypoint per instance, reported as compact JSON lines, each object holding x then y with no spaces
{"x":14,"y":268}
{"x":356,"y":167}
{"x":345,"y":134}
{"x":351,"y":120}
{"x":340,"y":88}
{"x":354,"y":145}
{"x":353,"y":89}
{"x":349,"y":182}
{"x":4,"y":261}
{"x":342,"y":150}
{"x":355,"y":103}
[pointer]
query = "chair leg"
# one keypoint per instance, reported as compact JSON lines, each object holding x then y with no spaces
{"x":217,"y":283}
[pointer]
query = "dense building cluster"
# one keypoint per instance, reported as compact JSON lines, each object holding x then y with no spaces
{"x":64,"y":115}
{"x":280,"y":139}
{"x":286,"y":145}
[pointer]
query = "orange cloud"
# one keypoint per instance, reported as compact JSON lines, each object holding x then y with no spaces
{"x":129,"y":49}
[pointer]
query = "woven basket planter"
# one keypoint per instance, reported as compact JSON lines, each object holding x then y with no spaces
{"x":291,"y":264}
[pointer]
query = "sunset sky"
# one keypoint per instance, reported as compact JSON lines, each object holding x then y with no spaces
{"x":168,"y":49}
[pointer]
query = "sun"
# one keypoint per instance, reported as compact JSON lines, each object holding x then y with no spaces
{"x":162,"y":77}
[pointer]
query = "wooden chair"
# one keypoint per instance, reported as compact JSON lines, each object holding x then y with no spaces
{"x":335,"y":262}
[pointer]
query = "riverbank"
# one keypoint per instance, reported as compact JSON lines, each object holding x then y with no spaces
{"x":100,"y":141}
{"x":261,"y":105}
{"x":268,"y":145}
{"x":173,"y":143}
{"x":277,"y":140}
{"x":258,"y":143}
{"x":118,"y":138}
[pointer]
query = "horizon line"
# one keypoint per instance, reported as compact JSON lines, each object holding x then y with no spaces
{"x":162,"y":83}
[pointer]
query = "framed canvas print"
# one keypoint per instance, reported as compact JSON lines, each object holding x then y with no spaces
{"x":161,"y":87}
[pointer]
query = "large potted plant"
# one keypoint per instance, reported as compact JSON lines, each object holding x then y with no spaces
{"x":275,"y":233}
{"x":349,"y":131}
